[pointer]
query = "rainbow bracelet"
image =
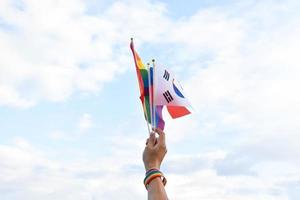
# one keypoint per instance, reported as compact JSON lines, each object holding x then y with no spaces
{"x":151,"y":174}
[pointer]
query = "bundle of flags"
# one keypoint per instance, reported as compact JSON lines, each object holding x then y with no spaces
{"x":158,"y":88}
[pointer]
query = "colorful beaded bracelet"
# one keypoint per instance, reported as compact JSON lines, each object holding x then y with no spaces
{"x":152,"y":174}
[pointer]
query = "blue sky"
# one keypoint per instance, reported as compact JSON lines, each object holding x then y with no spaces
{"x":71,"y":124}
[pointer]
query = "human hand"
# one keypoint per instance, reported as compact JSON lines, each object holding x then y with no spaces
{"x":155,"y":150}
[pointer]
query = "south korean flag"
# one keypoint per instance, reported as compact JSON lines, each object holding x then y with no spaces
{"x":168,"y":92}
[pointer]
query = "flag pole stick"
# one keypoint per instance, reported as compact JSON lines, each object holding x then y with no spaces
{"x":150,"y":94}
{"x":153,"y":96}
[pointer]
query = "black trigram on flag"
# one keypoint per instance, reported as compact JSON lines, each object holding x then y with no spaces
{"x":166,"y":75}
{"x":168,"y":96}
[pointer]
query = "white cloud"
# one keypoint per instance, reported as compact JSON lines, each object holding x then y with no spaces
{"x":51,"y":50}
{"x":206,"y":184}
{"x":29,"y":173}
{"x":9,"y":96}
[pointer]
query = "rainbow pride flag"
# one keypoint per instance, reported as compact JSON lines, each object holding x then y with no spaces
{"x":142,"y":75}
{"x":146,"y":91}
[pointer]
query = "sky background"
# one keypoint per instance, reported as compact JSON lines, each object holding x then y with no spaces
{"x":71,"y":124}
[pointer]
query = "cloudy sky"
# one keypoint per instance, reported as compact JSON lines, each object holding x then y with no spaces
{"x":71,"y":124}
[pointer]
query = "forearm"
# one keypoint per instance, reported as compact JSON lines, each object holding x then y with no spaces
{"x":156,"y":190}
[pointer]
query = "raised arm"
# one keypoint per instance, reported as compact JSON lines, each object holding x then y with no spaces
{"x":153,"y":156}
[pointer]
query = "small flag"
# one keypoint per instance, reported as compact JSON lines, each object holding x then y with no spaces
{"x":157,"y":109}
{"x":142,"y":75}
{"x":168,"y":92}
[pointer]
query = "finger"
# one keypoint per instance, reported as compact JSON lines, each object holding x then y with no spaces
{"x":161,"y":138}
{"x":157,"y":130}
{"x":152,"y":139}
{"x":147,"y":141}
{"x":155,"y":141}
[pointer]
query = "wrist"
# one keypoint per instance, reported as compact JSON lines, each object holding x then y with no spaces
{"x":155,"y":183}
{"x":152,"y":166}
